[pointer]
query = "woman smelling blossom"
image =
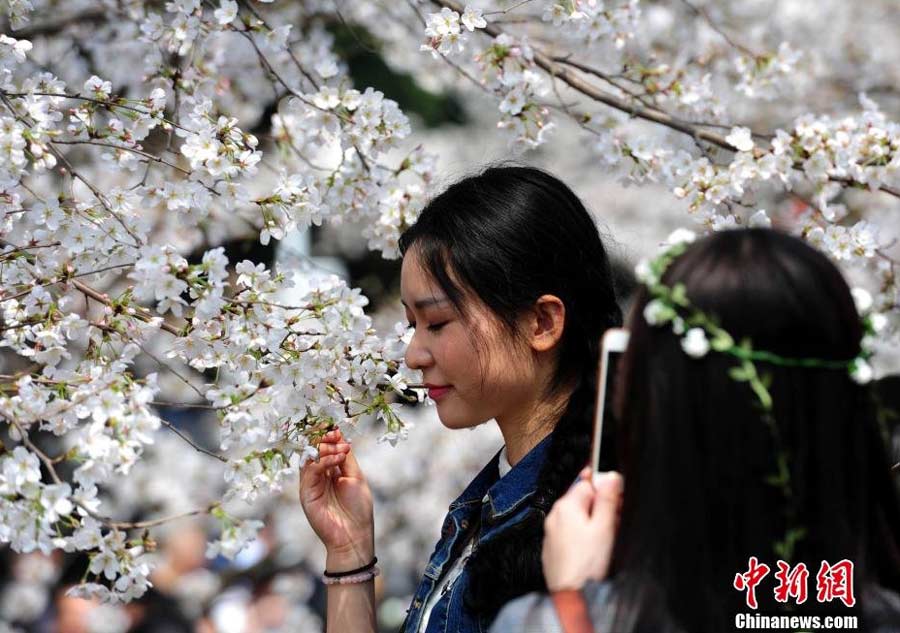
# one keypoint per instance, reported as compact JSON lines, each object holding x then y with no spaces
{"x":508,"y":286}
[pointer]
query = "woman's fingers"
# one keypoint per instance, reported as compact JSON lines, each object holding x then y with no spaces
{"x":608,"y":489}
{"x":350,"y":467}
{"x":333,"y":436}
{"x":315,"y":472}
{"x":333,"y":449}
{"x":332,"y":445}
{"x":581,"y":494}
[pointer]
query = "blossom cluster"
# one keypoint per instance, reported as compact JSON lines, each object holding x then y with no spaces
{"x":595,"y":22}
{"x":96,"y":271}
{"x":445,"y":31}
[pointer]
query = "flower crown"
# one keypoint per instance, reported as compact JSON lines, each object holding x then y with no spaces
{"x":701,"y":332}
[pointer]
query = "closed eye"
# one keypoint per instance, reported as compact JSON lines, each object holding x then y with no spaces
{"x":434,"y":327}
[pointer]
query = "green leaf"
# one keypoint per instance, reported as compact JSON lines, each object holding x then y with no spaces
{"x":721,"y":341}
{"x":679,"y":295}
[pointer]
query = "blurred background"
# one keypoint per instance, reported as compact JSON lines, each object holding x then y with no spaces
{"x":273,"y":585}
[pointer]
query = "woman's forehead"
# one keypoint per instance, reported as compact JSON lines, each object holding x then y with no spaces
{"x":418,"y":288}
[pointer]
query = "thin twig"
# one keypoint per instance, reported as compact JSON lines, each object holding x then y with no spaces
{"x":352,"y":31}
{"x":62,"y":281}
{"x":715,"y":27}
{"x":40,"y":454}
{"x":25,"y":248}
{"x":172,"y":428}
{"x":137,"y":525}
{"x":140,"y":313}
{"x":185,"y":405}
{"x":54,"y":26}
{"x":171,"y":369}
{"x":62,"y":159}
{"x":133,"y":150}
{"x":508,"y":9}
{"x":107,"y":104}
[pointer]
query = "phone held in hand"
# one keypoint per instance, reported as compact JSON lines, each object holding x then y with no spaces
{"x":614,"y":342}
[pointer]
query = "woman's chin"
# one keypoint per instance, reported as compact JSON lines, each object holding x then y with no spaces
{"x":452,"y":420}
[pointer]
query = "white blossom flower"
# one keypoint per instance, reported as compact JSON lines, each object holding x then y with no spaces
{"x":862,"y":298}
{"x":326,"y":68}
{"x":760,"y":219}
{"x":472,"y":19}
{"x":656,"y":312}
{"x":644,"y":273}
{"x":694,"y":343}
{"x":680,"y":236}
{"x":227,"y":12}
{"x":11,"y":47}
{"x":861,"y":371}
{"x":97,"y":87}
{"x":740,"y":138}
{"x":234,"y":538}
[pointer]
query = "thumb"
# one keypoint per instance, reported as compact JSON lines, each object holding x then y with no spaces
{"x":608,"y":489}
{"x":580,"y":494}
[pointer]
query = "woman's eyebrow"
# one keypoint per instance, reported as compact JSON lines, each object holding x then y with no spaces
{"x":425,"y":303}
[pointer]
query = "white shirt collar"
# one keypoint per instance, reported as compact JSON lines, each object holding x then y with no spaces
{"x":503,"y":463}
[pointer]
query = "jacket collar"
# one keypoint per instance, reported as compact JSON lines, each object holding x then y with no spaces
{"x":502,"y":496}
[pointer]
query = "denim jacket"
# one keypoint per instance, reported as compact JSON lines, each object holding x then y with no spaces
{"x":501,"y":504}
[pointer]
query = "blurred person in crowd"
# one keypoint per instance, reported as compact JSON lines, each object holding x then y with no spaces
{"x":507,"y":283}
{"x":154,"y":612}
{"x":182,"y":553}
{"x":26,"y":581}
{"x":744,"y":440}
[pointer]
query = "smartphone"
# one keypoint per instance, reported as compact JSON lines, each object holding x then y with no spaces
{"x":613,"y":344}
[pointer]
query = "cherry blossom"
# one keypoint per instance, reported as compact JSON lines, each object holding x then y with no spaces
{"x":196,"y":123}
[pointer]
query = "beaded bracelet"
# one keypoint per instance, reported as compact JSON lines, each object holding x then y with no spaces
{"x":353,"y":578}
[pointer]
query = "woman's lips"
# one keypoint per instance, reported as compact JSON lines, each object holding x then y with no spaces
{"x":436,"y":393}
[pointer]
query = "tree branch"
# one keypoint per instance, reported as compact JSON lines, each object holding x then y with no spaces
{"x":140,"y":313}
{"x":718,"y":29}
{"x":197,"y":447}
{"x":655,"y":116}
{"x":52,"y":27}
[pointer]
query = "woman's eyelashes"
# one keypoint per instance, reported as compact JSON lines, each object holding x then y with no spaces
{"x":434,"y":327}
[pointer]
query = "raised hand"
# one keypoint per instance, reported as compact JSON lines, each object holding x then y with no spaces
{"x":580,"y":530}
{"x":338,"y":503}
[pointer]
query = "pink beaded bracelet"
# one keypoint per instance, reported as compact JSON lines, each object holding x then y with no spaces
{"x":353,"y":579}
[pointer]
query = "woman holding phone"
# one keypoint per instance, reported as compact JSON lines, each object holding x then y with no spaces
{"x":743,"y":432}
{"x":508,"y":286}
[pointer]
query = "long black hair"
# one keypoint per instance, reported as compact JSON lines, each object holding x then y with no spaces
{"x":509,"y":235}
{"x":697,"y":454}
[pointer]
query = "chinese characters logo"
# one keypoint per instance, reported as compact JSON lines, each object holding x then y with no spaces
{"x":833,"y":582}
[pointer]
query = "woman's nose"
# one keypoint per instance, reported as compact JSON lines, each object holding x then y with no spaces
{"x":417,"y":356}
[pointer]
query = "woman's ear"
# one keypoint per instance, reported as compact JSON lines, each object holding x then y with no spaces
{"x":546,"y":322}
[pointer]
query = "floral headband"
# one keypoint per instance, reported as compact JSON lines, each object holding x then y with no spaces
{"x":701,"y":332}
